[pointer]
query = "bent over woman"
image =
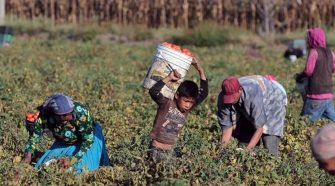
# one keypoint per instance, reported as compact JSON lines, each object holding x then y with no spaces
{"x":77,"y":136}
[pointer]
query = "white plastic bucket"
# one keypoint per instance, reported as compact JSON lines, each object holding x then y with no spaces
{"x":164,"y":59}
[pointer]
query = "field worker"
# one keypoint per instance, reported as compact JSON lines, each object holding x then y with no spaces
{"x":323,"y":148}
{"x":79,"y":142}
{"x":318,"y":102}
{"x":251,"y":108}
{"x":171,"y":114}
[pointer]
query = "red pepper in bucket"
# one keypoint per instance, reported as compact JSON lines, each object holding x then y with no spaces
{"x":178,"y":48}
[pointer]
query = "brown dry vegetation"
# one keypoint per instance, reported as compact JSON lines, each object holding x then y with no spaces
{"x":256,"y":15}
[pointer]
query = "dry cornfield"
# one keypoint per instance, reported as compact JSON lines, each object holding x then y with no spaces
{"x":256,"y":15}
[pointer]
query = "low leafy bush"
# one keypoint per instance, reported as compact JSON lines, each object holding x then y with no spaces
{"x":108,"y":78}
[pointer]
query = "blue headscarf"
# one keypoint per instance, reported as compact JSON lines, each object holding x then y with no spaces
{"x":59,"y":104}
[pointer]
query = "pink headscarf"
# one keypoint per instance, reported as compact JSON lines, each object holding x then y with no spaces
{"x":316,"y":38}
{"x":323,"y":143}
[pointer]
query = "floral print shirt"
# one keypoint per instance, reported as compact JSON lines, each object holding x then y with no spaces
{"x":79,"y":129}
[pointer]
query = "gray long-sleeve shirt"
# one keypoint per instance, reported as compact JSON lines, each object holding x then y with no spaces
{"x":262,"y":103}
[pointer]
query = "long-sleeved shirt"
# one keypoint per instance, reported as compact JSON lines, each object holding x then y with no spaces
{"x":262,"y":103}
{"x":169,"y":119}
{"x":79,"y":130}
{"x":309,"y":69}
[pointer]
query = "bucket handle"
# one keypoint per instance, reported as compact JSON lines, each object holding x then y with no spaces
{"x":166,"y":62}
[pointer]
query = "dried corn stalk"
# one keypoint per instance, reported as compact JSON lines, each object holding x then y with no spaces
{"x":256,"y":15}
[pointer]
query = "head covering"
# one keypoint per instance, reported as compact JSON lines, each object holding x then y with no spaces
{"x":59,"y":104}
{"x":323,"y":143}
{"x":316,"y":38}
{"x":230,"y":89}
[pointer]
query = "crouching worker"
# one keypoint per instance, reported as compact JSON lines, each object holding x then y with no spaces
{"x":251,"y":108}
{"x":79,"y":142}
{"x":171,"y":114}
{"x":323,"y":148}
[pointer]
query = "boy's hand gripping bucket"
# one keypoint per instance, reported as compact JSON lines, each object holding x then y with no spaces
{"x":168,"y":57}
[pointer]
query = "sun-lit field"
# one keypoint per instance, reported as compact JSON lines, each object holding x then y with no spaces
{"x":108,"y":78}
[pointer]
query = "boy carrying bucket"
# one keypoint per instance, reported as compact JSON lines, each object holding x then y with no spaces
{"x":171,"y":114}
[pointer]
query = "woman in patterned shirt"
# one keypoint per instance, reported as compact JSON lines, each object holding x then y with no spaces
{"x":77,"y":136}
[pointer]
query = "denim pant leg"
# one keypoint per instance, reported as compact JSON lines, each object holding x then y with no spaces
{"x":156,"y":154}
{"x":271,"y":143}
{"x":314,"y":108}
{"x":330,"y":111}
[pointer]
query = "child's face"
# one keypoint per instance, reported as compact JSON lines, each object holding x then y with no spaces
{"x":184,"y":103}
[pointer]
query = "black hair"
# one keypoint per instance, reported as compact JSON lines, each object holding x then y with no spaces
{"x":188,"y":89}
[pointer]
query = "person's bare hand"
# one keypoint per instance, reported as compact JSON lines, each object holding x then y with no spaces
{"x":195,"y":60}
{"x":174,"y":75}
{"x":196,"y":63}
{"x":64,"y":163}
{"x":198,"y":67}
{"x":27,"y":157}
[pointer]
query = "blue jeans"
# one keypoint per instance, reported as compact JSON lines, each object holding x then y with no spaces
{"x":316,"y":109}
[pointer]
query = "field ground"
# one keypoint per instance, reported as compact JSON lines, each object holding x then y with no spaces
{"x":108,"y":77}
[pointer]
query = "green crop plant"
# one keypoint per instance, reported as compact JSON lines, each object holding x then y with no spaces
{"x":108,"y":78}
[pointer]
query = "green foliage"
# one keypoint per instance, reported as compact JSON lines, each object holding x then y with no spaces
{"x":108,"y":78}
{"x":45,"y":29}
{"x":204,"y":35}
{"x":211,"y":34}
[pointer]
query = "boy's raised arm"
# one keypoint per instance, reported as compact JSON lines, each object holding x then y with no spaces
{"x":203,"y":92}
{"x":199,"y":68}
{"x":154,"y":91}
